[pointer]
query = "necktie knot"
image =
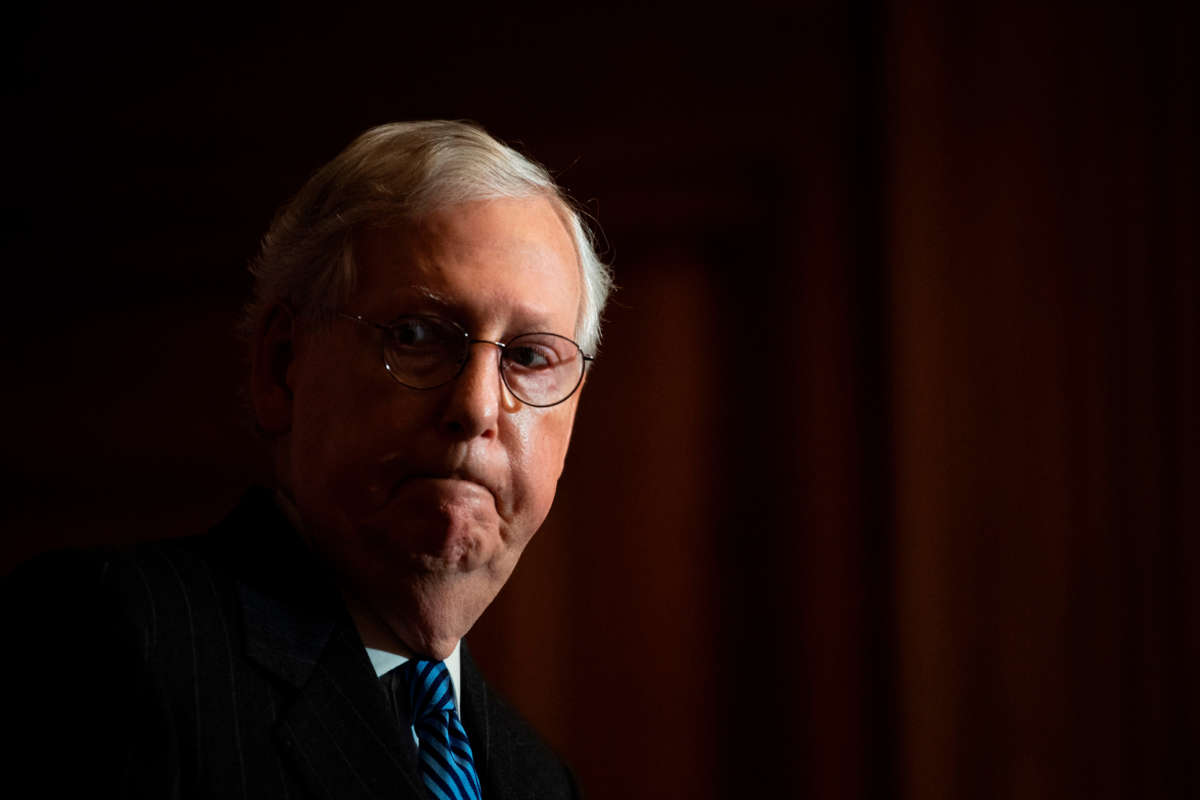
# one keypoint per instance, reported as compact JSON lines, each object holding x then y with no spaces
{"x":443,"y":752}
{"x":429,"y":689}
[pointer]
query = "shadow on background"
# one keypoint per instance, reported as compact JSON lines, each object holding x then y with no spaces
{"x":882,"y":485}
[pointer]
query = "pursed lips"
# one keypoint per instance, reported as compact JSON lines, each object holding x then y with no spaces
{"x":460,"y":475}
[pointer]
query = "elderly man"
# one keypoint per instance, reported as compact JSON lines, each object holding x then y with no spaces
{"x":425,"y":310}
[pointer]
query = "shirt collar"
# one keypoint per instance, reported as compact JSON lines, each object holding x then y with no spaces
{"x":385,"y":662}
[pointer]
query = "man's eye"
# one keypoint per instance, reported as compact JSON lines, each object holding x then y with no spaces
{"x":415,"y":333}
{"x":530,"y":356}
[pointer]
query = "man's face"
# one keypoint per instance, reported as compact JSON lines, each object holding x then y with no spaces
{"x":424,"y":500}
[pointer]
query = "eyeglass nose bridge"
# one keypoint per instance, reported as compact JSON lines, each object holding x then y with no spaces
{"x":466,"y":352}
{"x":466,"y":357}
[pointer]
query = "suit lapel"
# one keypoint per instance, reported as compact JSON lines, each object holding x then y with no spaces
{"x":340,"y":731}
{"x":335,"y":723}
{"x":476,"y":719}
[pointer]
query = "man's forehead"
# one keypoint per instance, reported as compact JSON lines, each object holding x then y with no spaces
{"x":415,"y":297}
{"x":517,"y":253}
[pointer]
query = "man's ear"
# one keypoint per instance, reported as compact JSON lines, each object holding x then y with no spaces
{"x":272,"y":356}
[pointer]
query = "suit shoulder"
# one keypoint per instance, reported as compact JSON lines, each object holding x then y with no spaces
{"x":78,"y":669}
{"x":103,"y":596}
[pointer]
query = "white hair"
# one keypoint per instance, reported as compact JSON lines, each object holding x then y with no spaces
{"x":396,"y":172}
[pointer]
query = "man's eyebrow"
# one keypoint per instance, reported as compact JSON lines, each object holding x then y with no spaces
{"x":531,"y":319}
{"x":429,"y":295}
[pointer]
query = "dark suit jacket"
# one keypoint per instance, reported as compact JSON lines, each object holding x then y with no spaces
{"x":222,"y":666}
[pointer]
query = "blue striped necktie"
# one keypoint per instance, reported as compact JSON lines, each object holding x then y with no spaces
{"x":443,"y":753}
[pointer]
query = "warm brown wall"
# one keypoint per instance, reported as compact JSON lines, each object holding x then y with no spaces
{"x":885,"y":483}
{"x":1042,"y":254}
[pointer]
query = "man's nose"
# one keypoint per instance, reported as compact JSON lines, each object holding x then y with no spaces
{"x":478,"y":395}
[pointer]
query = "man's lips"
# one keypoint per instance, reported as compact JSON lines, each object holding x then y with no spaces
{"x":400,"y":473}
{"x":450,"y":483}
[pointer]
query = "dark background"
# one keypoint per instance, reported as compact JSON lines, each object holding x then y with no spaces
{"x":886,"y":482}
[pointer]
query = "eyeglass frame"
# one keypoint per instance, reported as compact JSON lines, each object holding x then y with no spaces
{"x":386,"y":328}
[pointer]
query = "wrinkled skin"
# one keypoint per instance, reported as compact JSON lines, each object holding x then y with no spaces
{"x":423,"y":501}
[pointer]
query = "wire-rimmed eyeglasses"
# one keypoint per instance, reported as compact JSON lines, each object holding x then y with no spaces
{"x":539,"y":369}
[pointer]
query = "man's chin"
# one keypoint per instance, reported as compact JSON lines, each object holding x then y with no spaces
{"x":442,"y":541}
{"x":458,"y":557}
{"x":430,"y":639}
{"x":436,"y":610}
{"x":435,"y":649}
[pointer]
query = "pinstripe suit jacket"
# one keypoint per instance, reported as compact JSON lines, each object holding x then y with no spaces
{"x":222,"y":666}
